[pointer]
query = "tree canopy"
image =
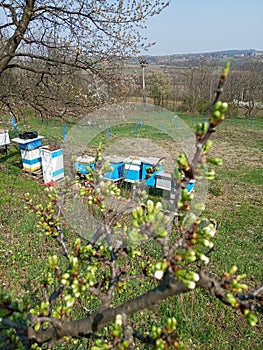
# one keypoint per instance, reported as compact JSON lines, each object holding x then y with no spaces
{"x":75,"y":33}
{"x":52,"y":40}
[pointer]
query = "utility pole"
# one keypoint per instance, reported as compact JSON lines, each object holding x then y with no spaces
{"x":143,"y":64}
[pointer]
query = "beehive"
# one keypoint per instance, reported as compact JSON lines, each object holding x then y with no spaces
{"x":30,"y":152}
{"x":132,"y":169}
{"x":147,"y":170}
{"x":4,"y":138}
{"x":117,"y":165}
{"x":52,"y":164}
{"x":83,"y":164}
{"x":164,"y":181}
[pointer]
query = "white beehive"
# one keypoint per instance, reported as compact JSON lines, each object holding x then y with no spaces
{"x":52,"y":164}
{"x":30,"y":152}
{"x":4,"y":138}
{"x":164,"y":181}
{"x":31,"y":159}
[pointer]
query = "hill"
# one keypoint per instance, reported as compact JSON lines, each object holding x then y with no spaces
{"x":238,"y":57}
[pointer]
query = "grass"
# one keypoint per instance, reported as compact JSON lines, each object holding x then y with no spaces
{"x":234,"y":200}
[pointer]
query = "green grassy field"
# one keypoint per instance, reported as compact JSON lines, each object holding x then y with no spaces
{"x":234,"y":199}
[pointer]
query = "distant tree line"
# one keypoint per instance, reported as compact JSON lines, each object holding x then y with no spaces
{"x":188,"y":90}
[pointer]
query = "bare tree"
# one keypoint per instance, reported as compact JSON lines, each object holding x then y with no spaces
{"x":244,"y":89}
{"x":159,"y":87}
{"x":251,"y":87}
{"x":51,"y":38}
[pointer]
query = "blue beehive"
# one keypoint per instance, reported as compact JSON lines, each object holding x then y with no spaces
{"x":191,"y":186}
{"x":83,"y":164}
{"x":132,"y":169}
{"x":30,"y":144}
{"x":117,"y":166}
{"x":147,"y":168}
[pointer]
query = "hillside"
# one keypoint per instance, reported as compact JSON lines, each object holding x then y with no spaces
{"x":238,"y":57}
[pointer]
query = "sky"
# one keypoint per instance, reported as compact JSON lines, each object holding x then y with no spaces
{"x":193,"y":26}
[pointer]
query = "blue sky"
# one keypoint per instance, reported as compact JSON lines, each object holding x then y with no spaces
{"x":188,"y":26}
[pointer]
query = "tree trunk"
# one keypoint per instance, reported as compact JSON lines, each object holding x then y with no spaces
{"x":14,"y":41}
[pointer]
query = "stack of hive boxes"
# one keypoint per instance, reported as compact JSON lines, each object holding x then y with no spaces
{"x":30,"y":152}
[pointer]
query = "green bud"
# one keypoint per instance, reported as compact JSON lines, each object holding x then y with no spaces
{"x":189,"y":284}
{"x":37,"y":326}
{"x":192,"y":276}
{"x":226,"y":69}
{"x":233,"y":270}
{"x":171,"y":323}
{"x":135,"y":223}
{"x":201,"y":128}
{"x":252,"y":319}
{"x":183,"y":161}
{"x":217,"y":106}
{"x":184,"y":194}
{"x":162,"y":234}
{"x":231,"y":299}
{"x":134,"y":213}
{"x":216,"y":118}
{"x":158,"y":207}
{"x":166,"y":219}
{"x":140,"y":211}
{"x":150,"y":206}
{"x":215,"y":161}
{"x":203,"y":258}
{"x":216,"y":115}
{"x":207,"y":146}
{"x":224,"y":107}
{"x":159,"y":216}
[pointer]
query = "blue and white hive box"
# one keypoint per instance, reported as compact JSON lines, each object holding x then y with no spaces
{"x":148,"y":175}
{"x":52,"y":164}
{"x":4,"y":138}
{"x":164,"y":182}
{"x":30,"y":152}
{"x":117,"y":166}
{"x":83,"y":164}
{"x":132,"y":169}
